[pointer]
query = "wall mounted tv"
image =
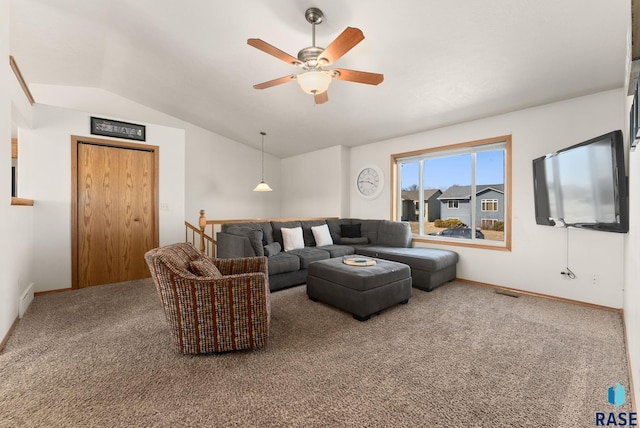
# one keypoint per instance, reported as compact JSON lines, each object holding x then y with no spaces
{"x":584,"y":186}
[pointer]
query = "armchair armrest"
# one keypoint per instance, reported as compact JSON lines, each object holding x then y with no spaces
{"x":242,"y":265}
{"x":238,"y":283}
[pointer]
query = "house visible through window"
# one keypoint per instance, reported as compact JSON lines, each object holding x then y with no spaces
{"x":463,"y":186}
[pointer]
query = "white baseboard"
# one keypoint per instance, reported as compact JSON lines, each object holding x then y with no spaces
{"x":26,"y":299}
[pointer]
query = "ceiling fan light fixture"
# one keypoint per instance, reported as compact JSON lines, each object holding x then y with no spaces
{"x":314,"y":81}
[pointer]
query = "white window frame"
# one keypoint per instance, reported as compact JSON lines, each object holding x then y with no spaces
{"x":457,"y":204}
{"x":492,"y":220}
{"x":471,"y":147}
{"x":493,"y":201}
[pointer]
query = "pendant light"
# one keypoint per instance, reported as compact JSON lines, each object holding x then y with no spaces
{"x":262,"y":186}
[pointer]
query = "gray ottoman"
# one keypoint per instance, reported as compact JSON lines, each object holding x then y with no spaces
{"x":360,"y":290}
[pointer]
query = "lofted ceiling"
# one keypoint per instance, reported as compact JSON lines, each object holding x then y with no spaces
{"x":444,"y":62}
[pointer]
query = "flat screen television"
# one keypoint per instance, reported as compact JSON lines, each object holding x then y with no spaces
{"x":583,"y":186}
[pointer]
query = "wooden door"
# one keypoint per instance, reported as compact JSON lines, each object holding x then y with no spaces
{"x":116,"y":213}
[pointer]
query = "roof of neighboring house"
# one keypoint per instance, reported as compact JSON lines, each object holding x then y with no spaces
{"x":464,"y":192}
{"x":412,"y":195}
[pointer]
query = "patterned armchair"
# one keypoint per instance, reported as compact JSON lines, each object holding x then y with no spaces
{"x":212,"y":305}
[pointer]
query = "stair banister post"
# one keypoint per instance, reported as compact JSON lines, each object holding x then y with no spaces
{"x":202,"y":222}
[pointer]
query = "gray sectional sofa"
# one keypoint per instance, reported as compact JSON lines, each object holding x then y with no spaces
{"x":383,"y":239}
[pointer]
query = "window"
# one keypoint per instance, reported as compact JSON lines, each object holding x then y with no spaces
{"x":463,"y":186}
{"x":489,"y":205}
{"x":488,"y":223}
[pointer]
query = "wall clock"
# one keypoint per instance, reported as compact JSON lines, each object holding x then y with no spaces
{"x":370,"y":181}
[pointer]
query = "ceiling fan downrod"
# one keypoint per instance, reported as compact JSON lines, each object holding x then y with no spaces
{"x":308,"y":56}
{"x":314,"y":16}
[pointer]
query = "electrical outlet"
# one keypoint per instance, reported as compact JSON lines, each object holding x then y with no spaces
{"x":164,"y":206}
{"x":595,"y":279}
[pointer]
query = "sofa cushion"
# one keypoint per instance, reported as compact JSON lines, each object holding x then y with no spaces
{"x":282,"y":263}
{"x":230,"y":246}
{"x":307,"y":231}
{"x":292,"y":238}
{"x":265,"y":226}
{"x":321,"y":235}
{"x":369,"y":228}
{"x":334,"y":227}
{"x":338,"y":250}
{"x":267,"y":231}
{"x":350,"y":230}
{"x":255,"y":237}
{"x":277,"y":229}
{"x":309,"y":254}
{"x":354,"y":241}
{"x":204,"y":267}
{"x":394,"y":234}
{"x":272,"y":249}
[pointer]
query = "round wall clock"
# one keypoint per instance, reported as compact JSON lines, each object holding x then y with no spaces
{"x":370,"y":181}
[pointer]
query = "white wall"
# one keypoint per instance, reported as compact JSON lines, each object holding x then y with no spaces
{"x":220,"y":174}
{"x":45,"y":175}
{"x":21,"y":110}
{"x":632,"y":271}
{"x":345,"y":161}
{"x":538,"y":252}
{"x":313,"y":184}
{"x":16,"y":254}
{"x":16,"y":222}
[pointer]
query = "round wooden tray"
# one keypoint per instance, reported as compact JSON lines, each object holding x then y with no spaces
{"x":359,"y":261}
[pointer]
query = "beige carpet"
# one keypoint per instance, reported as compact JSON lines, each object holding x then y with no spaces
{"x":460,"y":356}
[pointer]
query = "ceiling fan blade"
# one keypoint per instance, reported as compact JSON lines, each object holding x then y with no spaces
{"x":341,"y":45}
{"x":274,"y":82}
{"x":272,"y":50}
{"x":321,"y":98}
{"x":358,"y":76}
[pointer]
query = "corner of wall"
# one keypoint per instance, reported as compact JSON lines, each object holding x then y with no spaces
{"x":345,"y":158}
{"x":25,"y":299}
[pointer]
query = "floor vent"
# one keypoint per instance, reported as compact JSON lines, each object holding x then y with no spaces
{"x":507,"y":293}
{"x":26,"y":299}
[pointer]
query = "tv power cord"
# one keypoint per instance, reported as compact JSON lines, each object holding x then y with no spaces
{"x":568,"y":273}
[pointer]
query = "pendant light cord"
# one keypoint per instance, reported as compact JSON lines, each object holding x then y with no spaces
{"x":263,"y":134}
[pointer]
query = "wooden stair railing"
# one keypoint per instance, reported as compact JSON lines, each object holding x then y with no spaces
{"x":21,"y":202}
{"x":204,"y":242}
{"x":206,"y":230}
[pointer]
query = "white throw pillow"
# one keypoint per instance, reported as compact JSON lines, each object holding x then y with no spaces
{"x":292,"y":238}
{"x":321,"y":235}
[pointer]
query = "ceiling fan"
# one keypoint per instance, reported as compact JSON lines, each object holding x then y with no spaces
{"x":315,"y":78}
